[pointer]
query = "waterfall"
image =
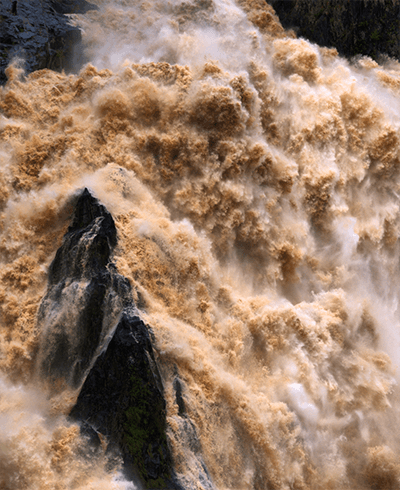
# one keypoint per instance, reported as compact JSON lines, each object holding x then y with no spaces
{"x":243,"y":222}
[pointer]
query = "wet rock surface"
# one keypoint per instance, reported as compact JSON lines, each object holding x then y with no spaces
{"x":122,"y":399}
{"x":85,"y":295}
{"x":186,"y":431}
{"x":368,"y":27}
{"x":91,"y":333}
{"x":38,"y":32}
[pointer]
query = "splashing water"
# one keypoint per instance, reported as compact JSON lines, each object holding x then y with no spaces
{"x":254,"y":181}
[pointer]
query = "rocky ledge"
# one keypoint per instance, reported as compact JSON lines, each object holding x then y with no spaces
{"x":38,"y":32}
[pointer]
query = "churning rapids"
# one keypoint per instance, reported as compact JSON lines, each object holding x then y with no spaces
{"x":254,"y":180}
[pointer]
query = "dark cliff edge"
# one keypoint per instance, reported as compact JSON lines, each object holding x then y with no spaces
{"x":91,"y":336}
{"x":38,"y":32}
{"x":354,"y":28}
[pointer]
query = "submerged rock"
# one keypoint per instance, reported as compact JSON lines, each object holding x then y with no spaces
{"x":38,"y":32}
{"x":91,"y":333}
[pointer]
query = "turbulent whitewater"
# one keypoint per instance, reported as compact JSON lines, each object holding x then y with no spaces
{"x":254,"y":181}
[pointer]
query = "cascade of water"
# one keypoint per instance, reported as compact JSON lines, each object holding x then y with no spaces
{"x":254,"y":183}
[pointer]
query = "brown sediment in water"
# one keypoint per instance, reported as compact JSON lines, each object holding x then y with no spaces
{"x":256,"y":202}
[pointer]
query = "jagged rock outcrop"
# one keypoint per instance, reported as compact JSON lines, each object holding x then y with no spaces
{"x":365,"y":27}
{"x":38,"y":32}
{"x":91,"y":333}
{"x":85,"y":296}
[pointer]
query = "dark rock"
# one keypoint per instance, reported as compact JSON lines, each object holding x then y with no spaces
{"x":368,"y":27}
{"x":178,"y":396}
{"x":122,"y":398}
{"x":91,"y":333}
{"x":92,"y":222}
{"x":85,"y":296}
{"x":72,"y":6}
{"x":39,"y":33}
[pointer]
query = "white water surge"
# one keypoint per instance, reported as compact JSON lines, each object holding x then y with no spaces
{"x":254,"y":180}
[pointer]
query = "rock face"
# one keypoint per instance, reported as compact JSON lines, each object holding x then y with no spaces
{"x":122,"y":399}
{"x":85,"y":296}
{"x":365,"y":27}
{"x":38,"y":32}
{"x":88,"y":316}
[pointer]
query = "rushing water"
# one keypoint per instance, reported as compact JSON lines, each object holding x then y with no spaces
{"x":254,"y":179}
